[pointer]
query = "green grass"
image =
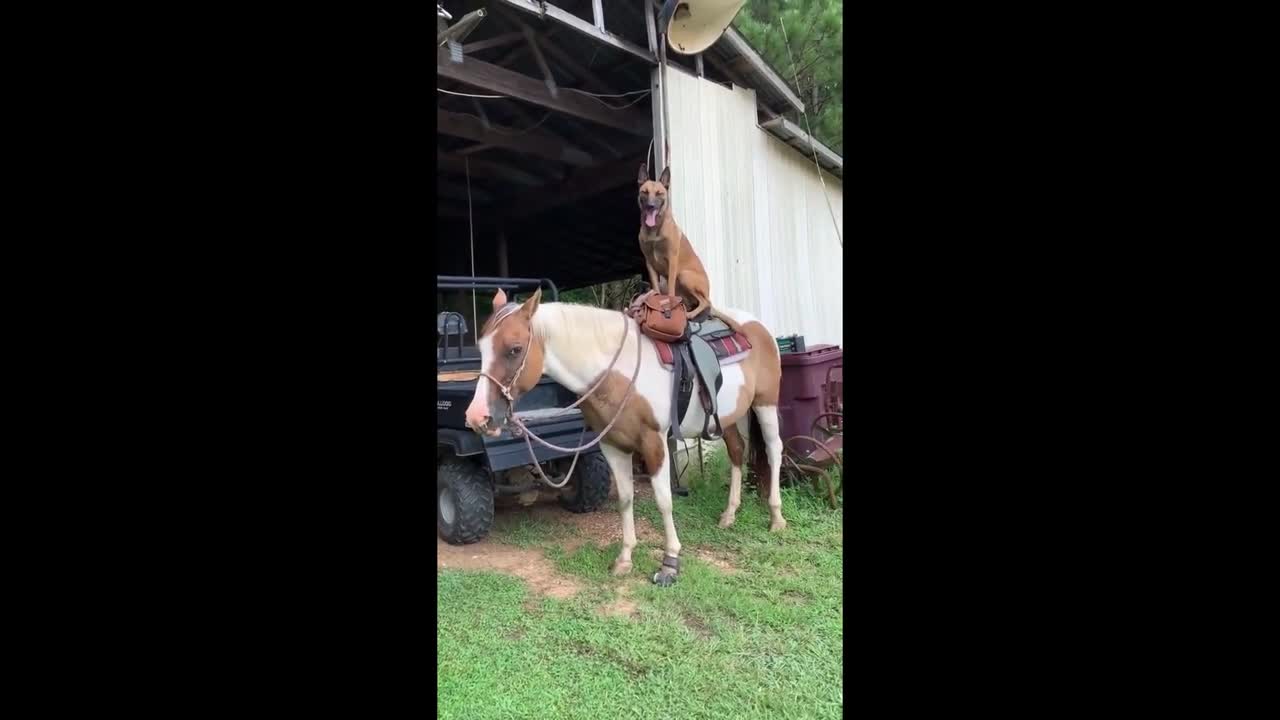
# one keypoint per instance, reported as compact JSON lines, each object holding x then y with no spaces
{"x":764,"y":641}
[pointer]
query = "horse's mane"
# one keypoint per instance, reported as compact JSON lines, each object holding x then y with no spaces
{"x":586,"y":323}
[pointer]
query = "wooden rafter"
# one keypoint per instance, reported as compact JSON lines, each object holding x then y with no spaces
{"x":593,"y":138}
{"x":502,"y":40}
{"x":457,"y":164}
{"x":532,"y":143}
{"x":593,"y":81}
{"x":585,"y":182}
{"x":493,"y":78}
{"x":532,"y":38}
{"x":556,"y":14}
{"x":561,"y":57}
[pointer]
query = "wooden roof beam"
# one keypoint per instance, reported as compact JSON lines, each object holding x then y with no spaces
{"x":583,"y":183}
{"x":458,"y":165}
{"x":499,"y":80}
{"x":531,"y":38}
{"x":536,"y":144}
{"x":560,"y":56}
{"x":502,"y":40}
{"x":551,"y":12}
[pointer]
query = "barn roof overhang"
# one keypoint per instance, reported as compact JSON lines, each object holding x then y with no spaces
{"x":534,"y":174}
{"x":791,"y":134}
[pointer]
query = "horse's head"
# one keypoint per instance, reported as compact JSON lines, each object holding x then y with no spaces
{"x":653,"y":197}
{"x":510,"y":362}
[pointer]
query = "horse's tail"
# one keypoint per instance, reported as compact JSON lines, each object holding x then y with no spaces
{"x":757,"y":454}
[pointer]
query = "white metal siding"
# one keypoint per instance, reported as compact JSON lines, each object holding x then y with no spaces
{"x":753,"y":208}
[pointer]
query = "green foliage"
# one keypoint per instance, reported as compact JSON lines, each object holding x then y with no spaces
{"x":614,"y":295}
{"x":815,"y":31}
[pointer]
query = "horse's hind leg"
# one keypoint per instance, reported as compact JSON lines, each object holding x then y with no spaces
{"x":736,"y":445}
{"x":769,"y":426}
{"x":620,"y":463}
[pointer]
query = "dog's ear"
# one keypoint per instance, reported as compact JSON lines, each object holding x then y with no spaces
{"x":499,"y":300}
{"x":665,"y":179}
{"x":530,"y":306}
{"x":644,"y":174}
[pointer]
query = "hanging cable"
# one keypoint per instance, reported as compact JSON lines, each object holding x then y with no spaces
{"x":471,"y":234}
{"x":812,"y":139}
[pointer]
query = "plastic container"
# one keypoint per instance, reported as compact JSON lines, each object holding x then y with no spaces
{"x":800,"y":394}
{"x":791,"y":344}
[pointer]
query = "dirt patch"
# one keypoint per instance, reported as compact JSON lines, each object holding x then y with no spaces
{"x":716,"y":560}
{"x":570,"y":531}
{"x":795,"y":598}
{"x":711,"y":558}
{"x":604,"y":527}
{"x":697,"y":626}
{"x":528,"y":565}
{"x":573,"y":530}
{"x":622,"y":605}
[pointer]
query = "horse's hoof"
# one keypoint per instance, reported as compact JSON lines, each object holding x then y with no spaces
{"x":727,"y":520}
{"x":778,"y":526}
{"x":666,"y":577}
{"x":620,"y":568}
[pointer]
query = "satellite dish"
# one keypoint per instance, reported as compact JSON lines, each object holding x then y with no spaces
{"x":694,"y":25}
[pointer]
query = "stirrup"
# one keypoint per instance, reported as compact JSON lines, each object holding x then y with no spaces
{"x":707,"y":433}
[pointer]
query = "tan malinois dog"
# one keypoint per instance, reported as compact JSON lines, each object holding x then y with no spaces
{"x":667,"y":251}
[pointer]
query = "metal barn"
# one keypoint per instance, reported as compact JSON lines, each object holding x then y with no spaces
{"x":545,"y":113}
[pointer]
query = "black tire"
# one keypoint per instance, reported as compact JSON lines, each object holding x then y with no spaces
{"x":592,"y":481}
{"x":464,"y":501}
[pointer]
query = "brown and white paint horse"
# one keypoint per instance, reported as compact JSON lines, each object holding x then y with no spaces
{"x":574,"y":344}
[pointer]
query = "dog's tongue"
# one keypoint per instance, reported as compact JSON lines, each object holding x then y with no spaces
{"x":651,"y":217}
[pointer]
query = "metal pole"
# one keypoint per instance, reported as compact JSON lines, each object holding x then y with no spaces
{"x":666,"y":116}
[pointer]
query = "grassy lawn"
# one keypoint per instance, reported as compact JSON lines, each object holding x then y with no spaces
{"x":753,"y":628}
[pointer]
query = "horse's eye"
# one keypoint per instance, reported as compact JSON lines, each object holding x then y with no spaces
{"x":515,"y":351}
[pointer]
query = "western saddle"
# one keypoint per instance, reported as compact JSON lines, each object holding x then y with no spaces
{"x":689,"y":347}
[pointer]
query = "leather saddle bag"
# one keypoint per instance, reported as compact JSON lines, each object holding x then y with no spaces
{"x":661,"y":317}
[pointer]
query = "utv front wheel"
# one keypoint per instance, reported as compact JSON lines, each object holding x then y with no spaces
{"x":592,"y":480}
{"x":464,"y":501}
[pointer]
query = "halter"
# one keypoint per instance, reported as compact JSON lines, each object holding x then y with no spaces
{"x":506,"y":312}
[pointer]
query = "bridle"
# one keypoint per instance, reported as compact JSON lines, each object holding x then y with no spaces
{"x":507,"y":311}
{"x":512,"y":419}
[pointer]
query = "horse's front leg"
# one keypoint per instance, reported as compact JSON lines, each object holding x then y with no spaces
{"x":620,"y":463}
{"x":666,"y":575}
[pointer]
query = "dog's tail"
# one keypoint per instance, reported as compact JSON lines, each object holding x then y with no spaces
{"x":733,"y":324}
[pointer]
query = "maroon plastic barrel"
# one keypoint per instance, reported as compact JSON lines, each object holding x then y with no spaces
{"x":800,"y":396}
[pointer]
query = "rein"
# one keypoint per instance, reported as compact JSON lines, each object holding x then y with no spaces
{"x":514,"y":419}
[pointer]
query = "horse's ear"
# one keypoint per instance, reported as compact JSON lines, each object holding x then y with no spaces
{"x":644,"y":174}
{"x":665,"y":178}
{"x":499,"y":300}
{"x":530,"y":306}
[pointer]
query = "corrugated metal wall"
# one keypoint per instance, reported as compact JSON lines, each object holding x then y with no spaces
{"x":753,"y":208}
